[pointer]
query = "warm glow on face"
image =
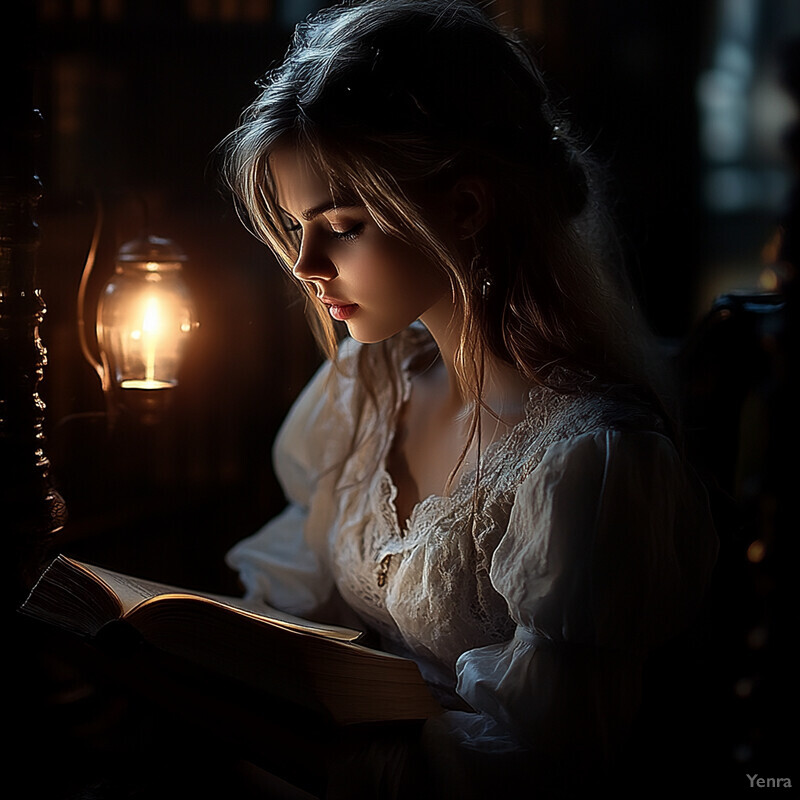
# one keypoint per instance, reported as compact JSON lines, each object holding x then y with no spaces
{"x":374,"y":282}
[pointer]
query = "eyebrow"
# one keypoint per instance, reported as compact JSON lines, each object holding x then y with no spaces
{"x":312,"y":213}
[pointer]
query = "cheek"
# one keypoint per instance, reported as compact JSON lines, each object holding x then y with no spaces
{"x":379,"y":271}
{"x":391,"y":271}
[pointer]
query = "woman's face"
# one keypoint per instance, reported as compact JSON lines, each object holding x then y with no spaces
{"x":375,"y":283}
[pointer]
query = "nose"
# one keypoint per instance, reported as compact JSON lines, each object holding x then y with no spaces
{"x":313,"y":264}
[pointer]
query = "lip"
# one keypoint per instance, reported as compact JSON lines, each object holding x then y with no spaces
{"x":339,"y":309}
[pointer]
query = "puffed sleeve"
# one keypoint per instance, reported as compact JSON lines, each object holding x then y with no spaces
{"x":285,"y":564}
{"x":608,"y":552}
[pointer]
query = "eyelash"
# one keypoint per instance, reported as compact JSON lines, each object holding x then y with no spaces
{"x":347,"y":236}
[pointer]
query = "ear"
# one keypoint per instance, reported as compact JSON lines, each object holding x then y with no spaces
{"x":471,"y":204}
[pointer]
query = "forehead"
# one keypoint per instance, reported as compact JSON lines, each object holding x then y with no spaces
{"x":299,"y":186}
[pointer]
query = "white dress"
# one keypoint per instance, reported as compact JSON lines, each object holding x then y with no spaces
{"x":591,"y":543}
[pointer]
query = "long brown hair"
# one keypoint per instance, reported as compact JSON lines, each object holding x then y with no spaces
{"x":390,"y":100}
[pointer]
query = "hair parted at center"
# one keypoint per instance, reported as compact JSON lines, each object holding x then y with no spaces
{"x":390,"y":100}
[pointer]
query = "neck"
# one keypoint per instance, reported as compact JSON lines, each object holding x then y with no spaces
{"x":444,"y":323}
{"x":504,"y":389}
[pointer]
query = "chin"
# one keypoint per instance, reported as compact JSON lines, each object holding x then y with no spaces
{"x":365,"y":336}
{"x":369,"y":339}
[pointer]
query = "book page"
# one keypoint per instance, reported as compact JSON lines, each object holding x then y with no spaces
{"x":133,"y":592}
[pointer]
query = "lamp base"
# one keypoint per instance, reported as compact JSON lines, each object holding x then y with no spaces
{"x":146,"y":404}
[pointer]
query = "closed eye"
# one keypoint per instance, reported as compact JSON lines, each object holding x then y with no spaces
{"x":349,"y":234}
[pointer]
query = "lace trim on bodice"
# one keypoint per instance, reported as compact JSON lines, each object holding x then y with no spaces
{"x":424,"y":585}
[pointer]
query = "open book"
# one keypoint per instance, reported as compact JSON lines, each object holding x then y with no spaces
{"x":320,"y":667}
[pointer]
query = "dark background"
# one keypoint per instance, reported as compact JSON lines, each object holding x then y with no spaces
{"x":137,"y":95}
{"x":681,"y":98}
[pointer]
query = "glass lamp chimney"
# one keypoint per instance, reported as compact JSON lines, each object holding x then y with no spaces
{"x":145,"y":316}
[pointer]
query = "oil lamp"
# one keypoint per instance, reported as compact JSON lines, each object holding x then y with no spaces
{"x":145,"y":316}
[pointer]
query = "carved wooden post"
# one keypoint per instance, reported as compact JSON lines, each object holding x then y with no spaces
{"x":31,"y":510}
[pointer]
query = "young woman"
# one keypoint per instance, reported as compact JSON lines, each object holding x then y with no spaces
{"x":483,"y":472}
